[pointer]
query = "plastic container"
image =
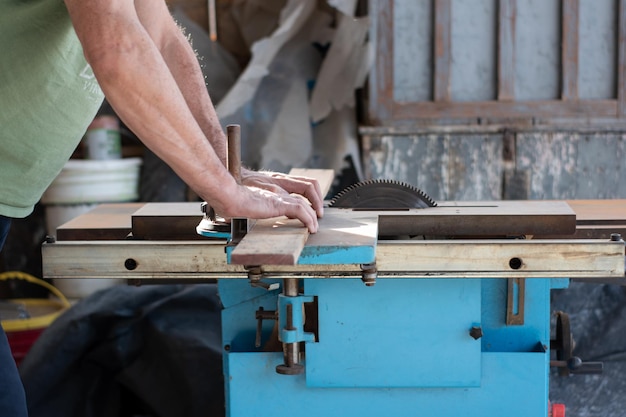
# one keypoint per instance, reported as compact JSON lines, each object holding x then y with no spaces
{"x":103,"y":139}
{"x":22,"y":332}
{"x":93,"y":181}
{"x":82,"y":185}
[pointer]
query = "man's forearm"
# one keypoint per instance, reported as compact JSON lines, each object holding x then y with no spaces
{"x":183,"y":63}
{"x":138,"y":84}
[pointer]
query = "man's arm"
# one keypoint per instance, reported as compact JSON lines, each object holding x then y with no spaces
{"x":183,"y":64}
{"x":126,"y":58}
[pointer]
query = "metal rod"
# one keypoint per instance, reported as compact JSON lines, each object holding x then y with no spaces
{"x":290,"y":287}
{"x":291,"y":351}
{"x":212,"y":20}
{"x":234,"y":151}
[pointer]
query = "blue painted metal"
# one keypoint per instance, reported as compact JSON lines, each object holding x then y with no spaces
{"x":323,"y":254}
{"x":508,"y":388}
{"x":398,"y":333}
{"x":294,"y":332}
{"x":399,"y":348}
{"x":337,"y":255}
{"x":214,"y":234}
{"x":330,"y":255}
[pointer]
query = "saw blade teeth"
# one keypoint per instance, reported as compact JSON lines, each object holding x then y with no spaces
{"x":371,"y":194}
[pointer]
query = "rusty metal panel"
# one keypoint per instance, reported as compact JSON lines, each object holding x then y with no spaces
{"x":573,"y":165}
{"x":417,"y":160}
{"x":491,"y":166}
{"x":600,"y":165}
{"x":551,"y":161}
{"x":445,"y":166}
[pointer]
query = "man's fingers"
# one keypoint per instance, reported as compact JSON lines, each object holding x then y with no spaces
{"x":309,"y":188}
{"x":299,"y":208}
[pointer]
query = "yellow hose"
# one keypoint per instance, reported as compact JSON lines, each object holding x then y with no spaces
{"x":39,"y":321}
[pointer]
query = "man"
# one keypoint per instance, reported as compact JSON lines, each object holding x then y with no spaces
{"x":150,"y":75}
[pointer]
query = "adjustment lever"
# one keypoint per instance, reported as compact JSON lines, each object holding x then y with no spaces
{"x":563,"y":344}
{"x":260,"y":315}
{"x":575,"y":365}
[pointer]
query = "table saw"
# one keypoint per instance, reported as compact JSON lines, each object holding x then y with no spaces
{"x":398,"y":306}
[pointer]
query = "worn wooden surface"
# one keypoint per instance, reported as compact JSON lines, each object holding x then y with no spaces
{"x":493,"y":218}
{"x":178,"y":220}
{"x":569,"y":51}
{"x":443,"y":49}
{"x":554,"y":59}
{"x":325,"y":177}
{"x":104,"y":222}
{"x":506,"y":48}
{"x":278,"y":241}
{"x":485,"y":258}
{"x":162,"y":221}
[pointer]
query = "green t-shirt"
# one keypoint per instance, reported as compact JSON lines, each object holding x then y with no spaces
{"x":48,"y":97}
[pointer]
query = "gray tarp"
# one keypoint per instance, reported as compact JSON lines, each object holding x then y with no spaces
{"x":130,"y":351}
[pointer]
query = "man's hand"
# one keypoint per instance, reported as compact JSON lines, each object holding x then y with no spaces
{"x":283,"y":185}
{"x":259,"y":203}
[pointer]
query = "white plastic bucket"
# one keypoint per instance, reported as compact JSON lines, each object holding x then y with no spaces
{"x":95,"y":181}
{"x":81,"y":185}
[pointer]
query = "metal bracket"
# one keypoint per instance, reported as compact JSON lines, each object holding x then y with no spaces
{"x":515,"y":300}
{"x":291,"y":327}
{"x":369,"y":275}
{"x":255,"y":274}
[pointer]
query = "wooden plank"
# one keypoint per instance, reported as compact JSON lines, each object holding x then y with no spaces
{"x":569,"y":51}
{"x":373,"y":133}
{"x":621,"y":60}
{"x":351,"y":235}
{"x":167,"y":221}
{"x":381,"y":89}
{"x":281,"y":242}
{"x":104,"y":222}
{"x":325,"y":177}
{"x":552,"y":258}
{"x":599,"y":212}
{"x":506,"y":50}
{"x":278,"y":241}
{"x":499,"y":109}
{"x":442,"y":50}
{"x":395,"y":259}
{"x":482,"y":218}
{"x":178,"y":221}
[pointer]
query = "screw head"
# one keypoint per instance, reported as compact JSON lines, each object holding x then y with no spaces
{"x":476,"y":332}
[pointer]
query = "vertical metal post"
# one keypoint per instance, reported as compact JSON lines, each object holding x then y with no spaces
{"x":291,"y":351}
{"x":238,"y":226}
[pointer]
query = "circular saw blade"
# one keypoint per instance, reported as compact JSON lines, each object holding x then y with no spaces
{"x":382,"y":195}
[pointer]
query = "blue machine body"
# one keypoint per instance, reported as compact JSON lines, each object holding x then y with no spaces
{"x":399,"y":348}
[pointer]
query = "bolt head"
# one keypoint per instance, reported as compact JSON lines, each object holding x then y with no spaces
{"x":476,"y":332}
